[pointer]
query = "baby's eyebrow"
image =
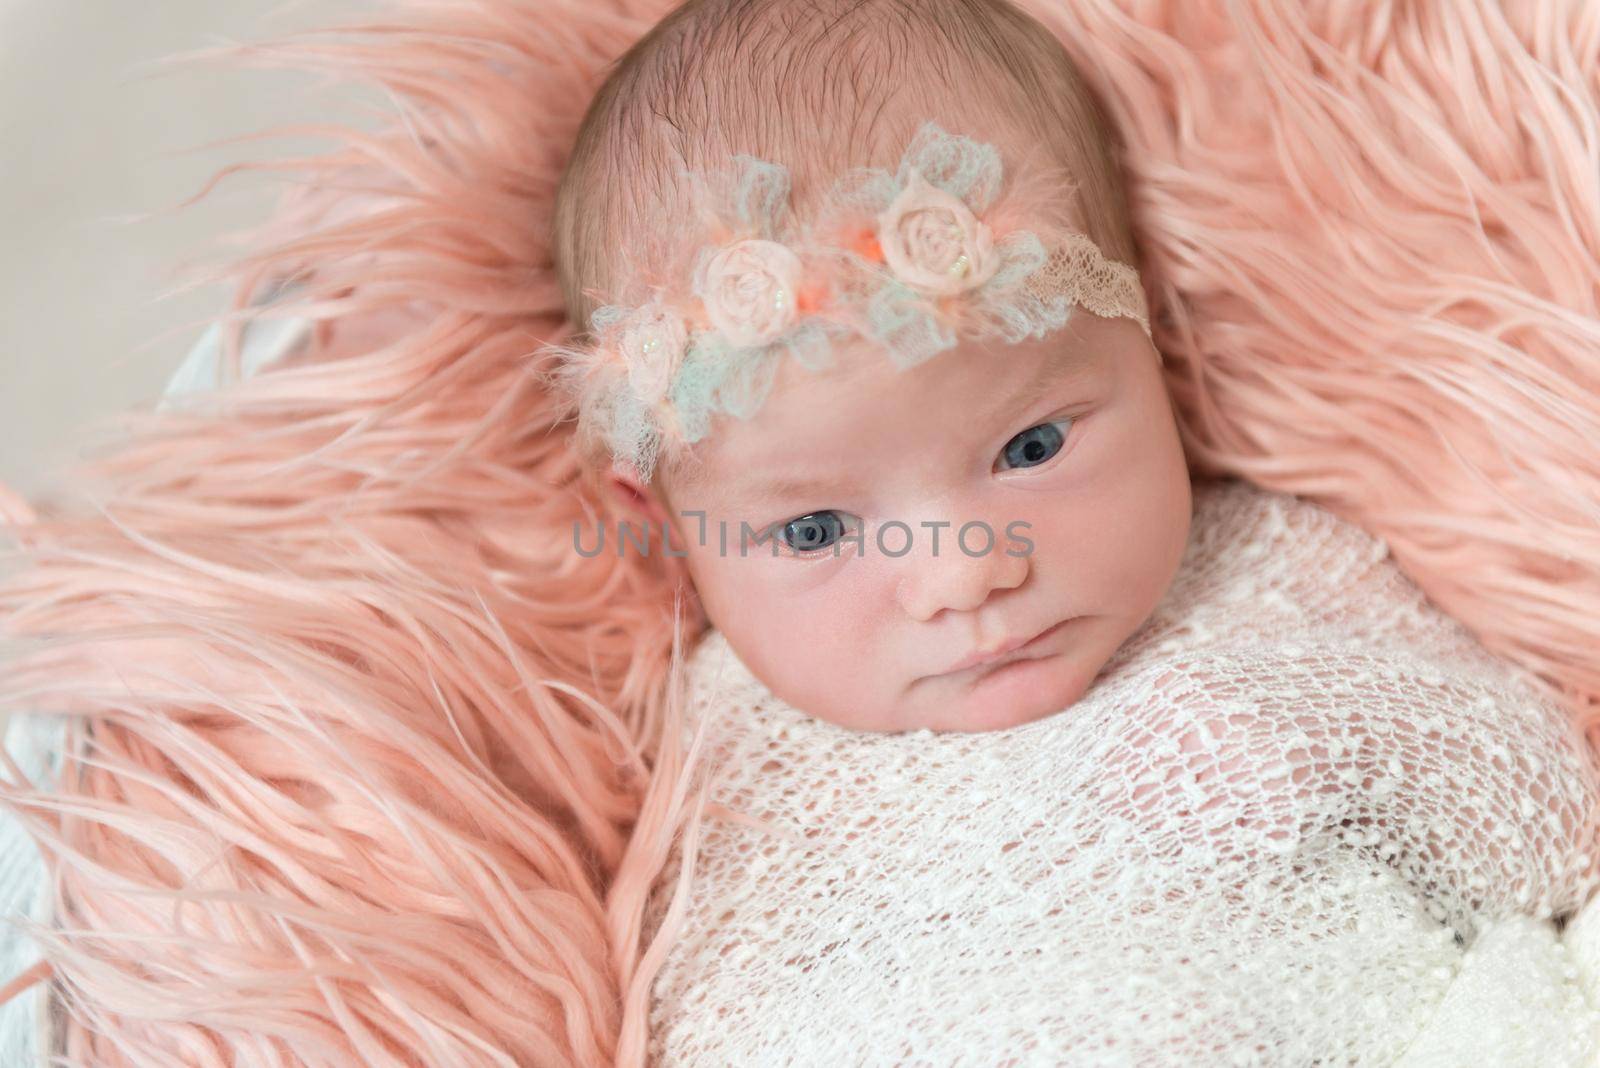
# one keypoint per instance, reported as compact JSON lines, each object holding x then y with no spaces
{"x":784,"y":488}
{"x":1059,"y":367}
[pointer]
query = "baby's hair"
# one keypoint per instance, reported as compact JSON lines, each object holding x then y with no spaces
{"x":820,"y":86}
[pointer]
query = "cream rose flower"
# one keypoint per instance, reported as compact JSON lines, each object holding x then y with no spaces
{"x":652,"y":347}
{"x":749,"y":291}
{"x":932,"y":241}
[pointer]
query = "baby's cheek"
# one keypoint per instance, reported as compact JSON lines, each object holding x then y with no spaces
{"x":824,"y":664}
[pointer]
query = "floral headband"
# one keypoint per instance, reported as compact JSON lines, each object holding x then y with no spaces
{"x":905,"y":259}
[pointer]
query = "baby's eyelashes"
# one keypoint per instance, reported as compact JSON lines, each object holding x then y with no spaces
{"x":1035,"y":445}
{"x":813,"y":532}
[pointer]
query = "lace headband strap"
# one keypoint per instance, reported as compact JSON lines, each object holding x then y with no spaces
{"x":904,"y":259}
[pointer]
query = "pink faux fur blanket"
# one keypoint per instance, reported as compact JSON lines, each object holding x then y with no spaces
{"x":369,"y":768}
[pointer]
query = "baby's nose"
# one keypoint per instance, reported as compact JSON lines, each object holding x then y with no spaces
{"x":959,"y":573}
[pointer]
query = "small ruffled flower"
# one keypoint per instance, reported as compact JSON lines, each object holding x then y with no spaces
{"x":749,"y":291}
{"x":933,"y":242}
{"x":652,"y":348}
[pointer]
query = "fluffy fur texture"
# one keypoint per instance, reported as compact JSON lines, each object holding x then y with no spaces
{"x":370,"y":768}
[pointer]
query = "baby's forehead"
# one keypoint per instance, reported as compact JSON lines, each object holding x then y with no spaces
{"x":811,"y":416}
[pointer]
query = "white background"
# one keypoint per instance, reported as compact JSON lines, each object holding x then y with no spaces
{"x":92,"y":132}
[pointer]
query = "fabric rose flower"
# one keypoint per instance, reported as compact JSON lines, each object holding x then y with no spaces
{"x":652,"y":347}
{"x":932,"y":241}
{"x":749,"y":291}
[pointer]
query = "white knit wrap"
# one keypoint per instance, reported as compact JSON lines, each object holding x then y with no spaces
{"x":1301,"y":817}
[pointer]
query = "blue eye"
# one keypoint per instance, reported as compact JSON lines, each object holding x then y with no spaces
{"x":1034,"y":445}
{"x":812,"y":531}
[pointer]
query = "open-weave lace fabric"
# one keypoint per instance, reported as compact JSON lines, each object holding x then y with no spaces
{"x":1077,"y":270}
{"x":1271,"y":833}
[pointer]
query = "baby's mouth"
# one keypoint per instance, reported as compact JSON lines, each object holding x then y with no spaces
{"x":979,"y":664}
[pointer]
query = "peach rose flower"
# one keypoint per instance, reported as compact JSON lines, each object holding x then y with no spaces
{"x":652,"y":347}
{"x":749,"y":291}
{"x":932,"y":241}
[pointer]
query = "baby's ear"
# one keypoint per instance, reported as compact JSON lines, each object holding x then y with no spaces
{"x":636,"y":499}
{"x":639,"y":502}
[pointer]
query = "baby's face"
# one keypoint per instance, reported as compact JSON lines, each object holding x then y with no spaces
{"x":864,"y":475}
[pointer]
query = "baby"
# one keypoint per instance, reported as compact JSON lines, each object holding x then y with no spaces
{"x":1054,"y":757}
{"x":1063,"y":440}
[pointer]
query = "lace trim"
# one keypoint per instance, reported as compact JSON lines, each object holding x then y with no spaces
{"x":1077,"y":270}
